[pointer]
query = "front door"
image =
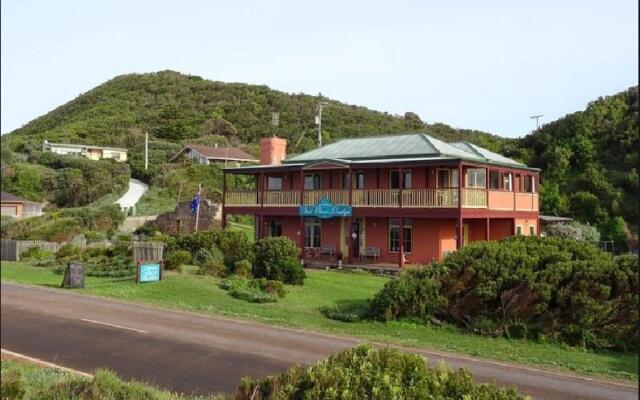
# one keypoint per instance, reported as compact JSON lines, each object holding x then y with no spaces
{"x":355,"y":250}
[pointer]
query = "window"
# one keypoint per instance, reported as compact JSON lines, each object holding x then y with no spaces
{"x":494,"y":180}
{"x":447,"y":178}
{"x":274,"y":228}
{"x":394,"y":179}
{"x":527,"y":183}
{"x":274,"y":183}
{"x":518,"y":230}
{"x":507,"y":181}
{"x":394,"y":235}
{"x":532,"y":230}
{"x":358,"y":182}
{"x":476,"y":178}
{"x":312,"y":232}
{"x":312,"y":182}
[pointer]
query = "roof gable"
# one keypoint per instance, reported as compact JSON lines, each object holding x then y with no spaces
{"x":218,"y":153}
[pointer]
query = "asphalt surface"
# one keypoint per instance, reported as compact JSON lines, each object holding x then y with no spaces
{"x":192,"y":353}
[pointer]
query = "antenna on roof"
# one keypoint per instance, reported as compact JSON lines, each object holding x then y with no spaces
{"x":275,"y":121}
{"x":537,"y":118}
{"x":321,"y":104}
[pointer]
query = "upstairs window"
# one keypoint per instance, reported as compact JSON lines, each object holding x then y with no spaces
{"x":476,"y":178}
{"x":528,"y":184}
{"x":494,"y":180}
{"x":507,"y":181}
{"x":394,"y":179}
{"x":312,"y":182}
{"x":274,"y":183}
{"x":358,"y":181}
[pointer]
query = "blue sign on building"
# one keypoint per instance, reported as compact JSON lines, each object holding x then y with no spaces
{"x":325,"y":209}
{"x":149,"y":272}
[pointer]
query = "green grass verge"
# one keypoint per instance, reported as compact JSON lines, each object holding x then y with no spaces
{"x":301,"y":309}
{"x":50,"y":383}
{"x":156,"y":201}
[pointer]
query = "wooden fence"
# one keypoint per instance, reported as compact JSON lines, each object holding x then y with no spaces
{"x":11,"y":250}
{"x":147,"y":251}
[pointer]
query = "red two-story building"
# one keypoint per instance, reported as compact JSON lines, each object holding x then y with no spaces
{"x":386,"y":199}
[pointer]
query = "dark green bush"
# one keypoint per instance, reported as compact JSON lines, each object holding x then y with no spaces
{"x":254,"y":290}
{"x":210,"y":262}
{"x":276,"y":258}
{"x":243,"y":268}
{"x":524,"y":287}
{"x":36,"y":254}
{"x":176,"y":258}
{"x":236,"y":247}
{"x":195,"y":241}
{"x":12,"y":386}
{"x":365,"y":373}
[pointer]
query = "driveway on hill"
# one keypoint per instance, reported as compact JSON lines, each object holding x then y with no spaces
{"x":133,"y":195}
{"x":193,"y":353}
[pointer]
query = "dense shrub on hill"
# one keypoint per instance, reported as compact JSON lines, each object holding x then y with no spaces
{"x":276,"y":258}
{"x":524,"y":287}
{"x":365,"y":373}
{"x":573,"y":230}
{"x":66,"y":181}
{"x":62,"y":225}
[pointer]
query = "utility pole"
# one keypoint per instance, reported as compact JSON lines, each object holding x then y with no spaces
{"x":537,"y":118}
{"x":146,"y":150}
{"x":198,"y":206}
{"x":321,"y":104}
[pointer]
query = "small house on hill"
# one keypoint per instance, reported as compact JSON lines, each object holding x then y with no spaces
{"x":88,"y":151}
{"x":17,"y":207}
{"x":213,"y":155}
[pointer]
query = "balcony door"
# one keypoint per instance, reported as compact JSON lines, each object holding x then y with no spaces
{"x":447,"y":178}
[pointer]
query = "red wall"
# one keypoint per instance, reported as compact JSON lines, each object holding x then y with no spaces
{"x":500,"y":228}
{"x":477,"y":229}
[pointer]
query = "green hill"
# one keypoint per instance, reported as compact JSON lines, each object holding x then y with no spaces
{"x":589,"y":159}
{"x":176,"y":107}
{"x":590,"y":162}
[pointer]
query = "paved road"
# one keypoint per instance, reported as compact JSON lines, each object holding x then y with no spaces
{"x":193,"y":353}
{"x":133,"y":194}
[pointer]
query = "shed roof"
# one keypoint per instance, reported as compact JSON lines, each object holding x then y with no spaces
{"x":219,"y":153}
{"x":12,"y":198}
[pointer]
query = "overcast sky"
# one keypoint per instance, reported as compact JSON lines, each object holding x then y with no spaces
{"x":483,"y":65}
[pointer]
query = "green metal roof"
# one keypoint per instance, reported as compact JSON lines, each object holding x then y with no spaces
{"x":413,"y":145}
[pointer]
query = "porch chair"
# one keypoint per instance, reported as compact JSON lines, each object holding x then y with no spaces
{"x":371,"y":252}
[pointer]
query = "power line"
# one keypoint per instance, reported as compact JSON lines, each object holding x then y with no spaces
{"x":537,"y":118}
{"x":319,"y":108}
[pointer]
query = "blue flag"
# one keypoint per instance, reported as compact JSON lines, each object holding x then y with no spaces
{"x":195,"y":203}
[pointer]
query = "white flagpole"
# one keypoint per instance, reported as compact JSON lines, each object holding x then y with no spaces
{"x":198,"y":205}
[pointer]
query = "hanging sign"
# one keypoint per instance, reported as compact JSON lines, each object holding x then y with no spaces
{"x":325,"y":209}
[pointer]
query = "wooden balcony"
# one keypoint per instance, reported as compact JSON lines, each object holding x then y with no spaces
{"x":474,"y":198}
{"x":390,"y":198}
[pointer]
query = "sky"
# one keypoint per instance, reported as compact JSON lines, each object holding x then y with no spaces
{"x":485,"y":65}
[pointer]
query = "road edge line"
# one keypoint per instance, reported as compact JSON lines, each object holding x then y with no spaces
{"x":42,"y":363}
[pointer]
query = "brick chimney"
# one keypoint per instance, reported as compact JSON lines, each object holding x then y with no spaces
{"x":272,"y":150}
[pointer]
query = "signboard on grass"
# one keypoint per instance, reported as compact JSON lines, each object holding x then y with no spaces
{"x":149,"y":271}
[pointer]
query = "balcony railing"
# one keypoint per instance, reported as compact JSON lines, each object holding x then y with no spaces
{"x":390,"y":198}
{"x":335,"y":196}
{"x":474,"y":198}
{"x":282,"y":198}
{"x":430,"y":198}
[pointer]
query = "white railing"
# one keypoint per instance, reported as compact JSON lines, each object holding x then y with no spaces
{"x":241,"y":198}
{"x":430,"y":198}
{"x":284,"y":198}
{"x":474,"y":198}
{"x":335,"y":196}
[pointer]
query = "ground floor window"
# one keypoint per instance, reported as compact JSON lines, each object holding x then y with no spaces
{"x":518,"y":230}
{"x":394,"y":235}
{"x":274,"y":228}
{"x":312,"y":232}
{"x":532,"y":230}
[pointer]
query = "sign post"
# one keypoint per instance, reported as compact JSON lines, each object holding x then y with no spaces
{"x":149,"y":271}
{"x":73,"y":276}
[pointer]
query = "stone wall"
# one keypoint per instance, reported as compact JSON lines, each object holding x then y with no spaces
{"x":181,"y":220}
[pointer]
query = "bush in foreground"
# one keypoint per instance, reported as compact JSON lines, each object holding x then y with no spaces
{"x":524,"y":287}
{"x":175,"y":259}
{"x":276,"y":258}
{"x":365,"y":373}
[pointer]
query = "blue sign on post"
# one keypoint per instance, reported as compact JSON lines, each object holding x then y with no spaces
{"x":149,"y":272}
{"x":325,"y":209}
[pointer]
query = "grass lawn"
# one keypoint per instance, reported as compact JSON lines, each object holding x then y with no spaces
{"x":156,"y":201}
{"x":43,"y":382}
{"x":300,"y":309}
